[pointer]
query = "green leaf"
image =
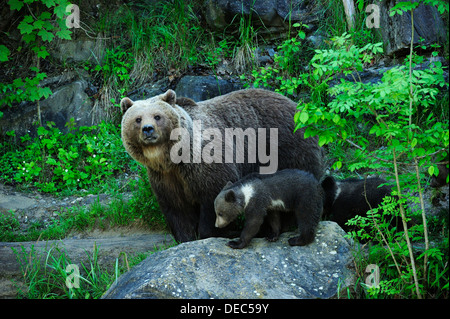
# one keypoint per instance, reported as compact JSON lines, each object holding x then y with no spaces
{"x":45,"y":92}
{"x":28,"y":19}
{"x":431,"y":170}
{"x":337,"y":165}
{"x":60,"y":10}
{"x":304,"y":117}
{"x":28,"y":38}
{"x":15,"y":4}
{"x":49,"y":3}
{"x":45,"y":35}
{"x":64,"y":34}
{"x":38,"y":24}
{"x":45,"y":16}
{"x":40,"y":76}
{"x":18,"y":82}
{"x":41,"y":131}
{"x":4,"y":52}
{"x":42,"y":54}
{"x":25,"y":28}
{"x":322,"y":140}
{"x":395,"y":143}
{"x":336,"y":119}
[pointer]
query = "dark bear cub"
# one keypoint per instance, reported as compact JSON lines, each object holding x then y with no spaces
{"x":347,"y":198}
{"x":262,"y":197}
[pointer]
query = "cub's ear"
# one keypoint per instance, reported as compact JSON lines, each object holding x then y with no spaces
{"x":169,"y":97}
{"x":228,"y":185}
{"x":328,"y":183}
{"x":230,"y":196}
{"x":125,"y":104}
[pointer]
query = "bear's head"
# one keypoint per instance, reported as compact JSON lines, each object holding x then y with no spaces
{"x":147,"y":125}
{"x":229,"y":204}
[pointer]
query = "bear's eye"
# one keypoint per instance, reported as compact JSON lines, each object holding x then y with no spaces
{"x":220,"y":214}
{"x":138,"y":120}
{"x":157,"y":117}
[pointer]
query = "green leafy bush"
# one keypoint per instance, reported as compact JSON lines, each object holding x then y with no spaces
{"x":40,"y":26}
{"x":401,"y":137}
{"x":115,"y":69}
{"x":283,"y":76}
{"x":53,"y":161}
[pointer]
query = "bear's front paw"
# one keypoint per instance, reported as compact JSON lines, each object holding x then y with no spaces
{"x":236,"y":244}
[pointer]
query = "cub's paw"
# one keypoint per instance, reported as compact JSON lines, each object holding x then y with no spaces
{"x":299,"y":241}
{"x":236,"y":244}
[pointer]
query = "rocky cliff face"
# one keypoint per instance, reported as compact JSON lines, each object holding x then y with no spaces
{"x":396,"y":30}
{"x":75,"y":93}
{"x":271,"y":15}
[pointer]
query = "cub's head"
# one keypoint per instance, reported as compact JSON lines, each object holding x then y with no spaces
{"x":229,"y":204}
{"x":147,"y":124}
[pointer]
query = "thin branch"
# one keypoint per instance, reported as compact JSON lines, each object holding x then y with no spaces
{"x":405,"y":226}
{"x":416,"y":166}
{"x":380,"y":232}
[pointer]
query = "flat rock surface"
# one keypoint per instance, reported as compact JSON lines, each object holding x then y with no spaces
{"x":8,"y":202}
{"x":210,"y":269}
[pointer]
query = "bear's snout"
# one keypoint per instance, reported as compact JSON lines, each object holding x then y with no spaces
{"x":148,"y":130}
{"x":149,"y":134}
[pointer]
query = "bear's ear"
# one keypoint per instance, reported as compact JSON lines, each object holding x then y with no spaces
{"x":125,"y":104}
{"x":185,"y":102}
{"x":230,"y":196}
{"x":169,"y":97}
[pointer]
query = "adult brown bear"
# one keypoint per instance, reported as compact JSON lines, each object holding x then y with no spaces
{"x":186,"y":185}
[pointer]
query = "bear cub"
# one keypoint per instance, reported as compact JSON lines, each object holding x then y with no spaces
{"x":262,"y":197}
{"x":344,"y":199}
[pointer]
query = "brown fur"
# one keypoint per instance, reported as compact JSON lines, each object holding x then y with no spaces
{"x":186,"y":191}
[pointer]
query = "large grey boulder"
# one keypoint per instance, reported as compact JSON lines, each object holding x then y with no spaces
{"x":210,"y":269}
{"x":373,"y":75}
{"x":68,"y":100}
{"x":201,"y":88}
{"x":396,"y":30}
{"x":79,"y":50}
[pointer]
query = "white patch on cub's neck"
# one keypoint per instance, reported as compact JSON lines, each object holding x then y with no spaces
{"x":248,"y":192}
{"x":277,"y":203}
{"x":338,"y":190}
